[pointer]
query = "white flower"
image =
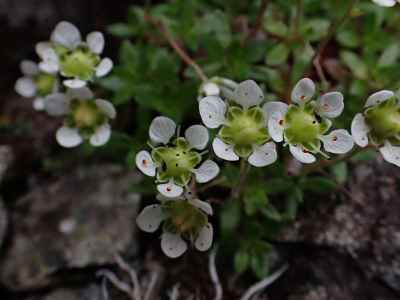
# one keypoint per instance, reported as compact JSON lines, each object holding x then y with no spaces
{"x":35,"y":84}
{"x":185,"y":219}
{"x":174,"y":161}
{"x":243,"y":131}
{"x":379,"y":125}
{"x":386,"y":3}
{"x":79,"y":61}
{"x":85,"y":118}
{"x":304,"y":124}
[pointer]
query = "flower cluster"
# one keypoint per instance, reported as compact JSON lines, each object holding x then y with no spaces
{"x":242,"y":125}
{"x":75,"y":62}
{"x":304,"y":124}
{"x":175,"y":160}
{"x":184,"y":219}
{"x":379,"y":125}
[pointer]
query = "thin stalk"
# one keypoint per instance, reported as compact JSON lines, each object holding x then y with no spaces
{"x":259,"y":21}
{"x":244,"y":171}
{"x":176,"y":47}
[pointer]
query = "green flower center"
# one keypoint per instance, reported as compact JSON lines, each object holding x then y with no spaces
{"x":303,"y":126}
{"x":45,"y":84}
{"x":176,"y":162}
{"x":80,"y":63}
{"x":183,"y":218}
{"x":384,"y":121}
{"x":244,"y":128}
{"x":86,"y":116}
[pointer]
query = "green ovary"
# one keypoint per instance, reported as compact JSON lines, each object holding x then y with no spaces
{"x":384,"y":121}
{"x":183,"y":217}
{"x":302,"y":126}
{"x":45,"y":84}
{"x":177,"y":162}
{"x":243,"y":129}
{"x":80,"y":63}
{"x":86,"y":116}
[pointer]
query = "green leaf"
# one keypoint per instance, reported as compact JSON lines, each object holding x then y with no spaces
{"x":230,"y":217}
{"x":293,"y":200}
{"x":348,"y":38}
{"x":340,"y":172}
{"x":255,"y":198}
{"x":277,"y":55}
{"x":241,"y":261}
{"x":318,"y":184}
{"x":389,"y":56}
{"x":355,"y":64}
{"x":121,"y":30}
{"x":276,"y":27}
{"x":315,"y":29}
{"x":277,"y":185}
{"x":365,"y":155}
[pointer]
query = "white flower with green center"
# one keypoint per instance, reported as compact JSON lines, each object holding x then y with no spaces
{"x":379,"y":125}
{"x":243,"y":132}
{"x":386,"y":3}
{"x":183,"y":220}
{"x":304,"y":124}
{"x":35,"y":84}
{"x":86,"y":118}
{"x":174,"y":161}
{"x":79,"y":61}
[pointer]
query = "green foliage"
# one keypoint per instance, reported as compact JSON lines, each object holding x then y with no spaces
{"x":357,"y":60}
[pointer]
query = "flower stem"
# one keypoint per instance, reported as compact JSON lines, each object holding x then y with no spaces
{"x":259,"y":20}
{"x":244,"y":171}
{"x":178,"y":49}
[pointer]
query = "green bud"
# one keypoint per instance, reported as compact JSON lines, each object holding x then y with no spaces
{"x":86,"y":116}
{"x":183,"y":218}
{"x":177,"y":162}
{"x":80,"y":63}
{"x":244,"y":128}
{"x":44,"y":83}
{"x":384,"y":121}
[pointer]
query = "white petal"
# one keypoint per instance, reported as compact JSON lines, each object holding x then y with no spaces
{"x":104,"y":67}
{"x":101,"y":135}
{"x":41,"y":48}
{"x":150,"y":218}
{"x":378,"y":97}
{"x":161,"y":130}
{"x":301,"y":154}
{"x":56,"y":104}
{"x":212,"y":111}
{"x":205,"y":237}
{"x":67,"y":35}
{"x":29,"y":67}
{"x":145,"y":163}
{"x":50,"y":61}
{"x":26,"y":87}
{"x":330,"y":105}
{"x":95,"y":41}
{"x":385,"y":3}
{"x":204,"y":206}
{"x":338,"y":141}
{"x":74,"y":83}
{"x":210,"y":89}
{"x":224,"y":151}
{"x":172,"y":245}
{"x":248,"y":94}
{"x":68,"y":137}
{"x":83,"y":93}
{"x":391,"y":153}
{"x":276,"y":126}
{"x":359,"y":130}
{"x":107,"y":108}
{"x":207,"y":171}
{"x":197,"y":136}
{"x":38,"y":103}
{"x":303,"y":91}
{"x":264,"y":155}
{"x":272,"y":107}
{"x":170,"y":189}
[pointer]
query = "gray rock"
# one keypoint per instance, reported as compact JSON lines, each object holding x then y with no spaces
{"x":365,"y":225}
{"x":3,"y":222}
{"x":80,"y":220}
{"x":91,"y":292}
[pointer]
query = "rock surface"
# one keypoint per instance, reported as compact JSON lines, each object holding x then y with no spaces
{"x":365,"y":225}
{"x":80,"y":220}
